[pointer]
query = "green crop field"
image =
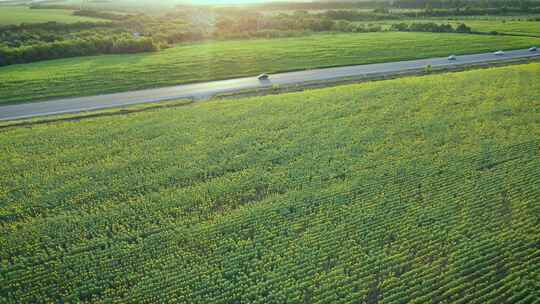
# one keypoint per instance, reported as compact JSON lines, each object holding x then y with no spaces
{"x":20,"y":14}
{"x":220,"y":60}
{"x":414,"y":190}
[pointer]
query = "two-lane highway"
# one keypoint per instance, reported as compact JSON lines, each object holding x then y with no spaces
{"x":208,"y":89}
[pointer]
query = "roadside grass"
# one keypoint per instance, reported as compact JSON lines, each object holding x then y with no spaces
{"x":229,"y":59}
{"x":14,"y":15}
{"x":248,"y":201}
{"x":123,"y":110}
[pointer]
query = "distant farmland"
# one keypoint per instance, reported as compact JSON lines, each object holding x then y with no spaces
{"x":226,"y":59}
{"x":505,"y":26}
{"x":20,"y":14}
{"x":525,"y":28}
{"x":420,"y":189}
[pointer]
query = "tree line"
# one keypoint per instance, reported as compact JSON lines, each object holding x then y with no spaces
{"x":523,"y":5}
{"x":337,"y":21}
{"x":36,"y":33}
{"x":75,"y":48}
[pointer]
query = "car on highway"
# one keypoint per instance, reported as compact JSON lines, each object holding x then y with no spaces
{"x":499,"y":53}
{"x":532,"y":49}
{"x":263,"y":76}
{"x":452,"y":57}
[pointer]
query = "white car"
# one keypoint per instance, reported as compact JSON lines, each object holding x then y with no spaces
{"x":498,"y":53}
{"x":452,"y":57}
{"x":532,"y":49}
{"x":263,"y":76}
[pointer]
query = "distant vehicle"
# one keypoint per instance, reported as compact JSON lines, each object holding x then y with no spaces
{"x":452,"y":57}
{"x":533,"y":49}
{"x":499,"y":53}
{"x":263,"y":76}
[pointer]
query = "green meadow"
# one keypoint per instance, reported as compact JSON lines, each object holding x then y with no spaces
{"x":227,"y":59}
{"x":415,"y":190}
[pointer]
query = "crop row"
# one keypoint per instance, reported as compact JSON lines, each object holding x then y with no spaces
{"x":294,"y":249}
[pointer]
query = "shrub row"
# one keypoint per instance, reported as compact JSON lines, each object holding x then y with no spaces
{"x":100,"y":14}
{"x":430,"y":27}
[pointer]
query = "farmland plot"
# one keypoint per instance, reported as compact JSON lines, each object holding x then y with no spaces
{"x":418,"y":189}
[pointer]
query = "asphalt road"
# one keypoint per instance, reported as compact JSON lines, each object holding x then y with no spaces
{"x":208,"y":89}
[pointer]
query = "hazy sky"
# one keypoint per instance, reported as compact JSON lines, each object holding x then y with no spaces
{"x":216,"y":1}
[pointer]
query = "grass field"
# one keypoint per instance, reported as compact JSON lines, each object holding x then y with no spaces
{"x":527,"y":28}
{"x":219,"y":60}
{"x":419,"y":189}
{"x":20,"y":14}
